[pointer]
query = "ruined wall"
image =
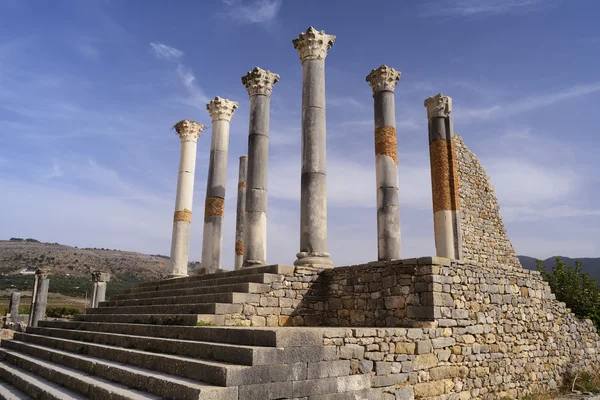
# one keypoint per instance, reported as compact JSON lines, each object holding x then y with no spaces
{"x":484,"y":237}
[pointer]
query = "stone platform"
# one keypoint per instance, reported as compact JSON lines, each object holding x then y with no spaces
{"x":427,"y":328}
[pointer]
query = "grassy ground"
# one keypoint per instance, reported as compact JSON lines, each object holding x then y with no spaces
{"x":54,"y":300}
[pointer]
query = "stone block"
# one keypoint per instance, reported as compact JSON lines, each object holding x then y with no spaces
{"x":365,"y":366}
{"x":328,"y":369}
{"x":429,"y":389}
{"x":424,"y":346}
{"x":439,"y":343}
{"x":389,"y":380}
{"x":444,"y":372}
{"x":394,"y":302}
{"x":424,"y":361}
{"x":313,"y":387}
{"x":405,"y":348}
{"x":353,"y":382}
{"x":405,"y":393}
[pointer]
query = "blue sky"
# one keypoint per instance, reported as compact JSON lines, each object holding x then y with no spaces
{"x":90,"y":89}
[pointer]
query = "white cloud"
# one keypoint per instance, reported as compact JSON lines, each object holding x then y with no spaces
{"x":164,"y":52}
{"x":196,"y":96}
{"x":468,"y":8}
{"x":528,"y":104}
{"x":256,"y":12}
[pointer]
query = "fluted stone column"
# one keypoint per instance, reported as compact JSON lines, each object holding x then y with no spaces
{"x":312,"y":47}
{"x":13,"y":307}
{"x":383,"y":80}
{"x":99,"y":281}
{"x":259,"y":84}
{"x":188,"y":131}
{"x":221,"y":111}
{"x":39,"y":297}
{"x":241,"y":213}
{"x":444,"y":178}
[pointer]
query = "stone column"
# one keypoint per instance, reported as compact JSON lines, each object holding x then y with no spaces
{"x":241,"y":213}
{"x":99,"y":280}
{"x":13,"y":307}
{"x":188,"y":131}
{"x":383,"y":80}
{"x":221,"y":111}
{"x":39,"y":296}
{"x":444,"y":178}
{"x":259,"y":84}
{"x":313,"y":46}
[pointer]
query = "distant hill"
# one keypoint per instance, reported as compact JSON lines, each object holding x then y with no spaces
{"x":72,"y":264}
{"x":589,"y":265}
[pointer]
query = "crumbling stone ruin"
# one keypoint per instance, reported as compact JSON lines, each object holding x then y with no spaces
{"x":467,"y":323}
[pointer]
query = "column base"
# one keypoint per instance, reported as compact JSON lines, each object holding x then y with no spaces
{"x":316,"y":259}
{"x":253,"y":263}
{"x":174,"y":276}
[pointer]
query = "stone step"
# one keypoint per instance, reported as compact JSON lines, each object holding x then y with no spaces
{"x":270,"y":337}
{"x":232,"y":353}
{"x":244,"y":287}
{"x":155,"y":384}
{"x":212,"y":372}
{"x":269,"y":269}
{"x":166,"y":298}
{"x":197,"y":307}
{"x":261,"y":278}
{"x":237,"y":354}
{"x":154,"y":319}
{"x":33,"y":386}
{"x":9,"y":392}
{"x":90,"y":387}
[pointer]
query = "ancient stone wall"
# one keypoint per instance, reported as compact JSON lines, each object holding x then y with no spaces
{"x":484,"y":237}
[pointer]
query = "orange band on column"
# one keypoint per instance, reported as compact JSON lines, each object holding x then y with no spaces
{"x":239,"y":248}
{"x":185,"y":215}
{"x":214,"y":207}
{"x":444,"y":179}
{"x":385,"y":142}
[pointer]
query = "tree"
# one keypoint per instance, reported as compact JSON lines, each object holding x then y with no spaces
{"x":575,"y":288}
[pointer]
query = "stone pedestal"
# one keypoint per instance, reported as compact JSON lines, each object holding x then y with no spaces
{"x":383,"y":80}
{"x":13,"y":307}
{"x":99,"y":281}
{"x":39,"y":296}
{"x":188,"y":131}
{"x":259,"y":84}
{"x":312,"y":47}
{"x":221,"y":111}
{"x":444,"y":178}
{"x":241,"y":213}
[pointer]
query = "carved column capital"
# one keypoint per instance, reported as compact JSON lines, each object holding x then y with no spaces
{"x":260,"y":81}
{"x":188,"y":129}
{"x":383,"y":78}
{"x":313,"y":44}
{"x":438,"y":106}
{"x":100,"y":276}
{"x":221,"y":109}
{"x":42,"y":272}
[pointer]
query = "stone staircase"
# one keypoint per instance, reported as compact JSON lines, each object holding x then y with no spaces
{"x":144,"y":344}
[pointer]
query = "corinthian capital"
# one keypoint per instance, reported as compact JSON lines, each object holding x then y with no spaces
{"x":100,"y":276}
{"x":313,"y":44}
{"x":260,"y":81}
{"x":438,"y":106}
{"x":383,"y":78}
{"x":221,"y":109}
{"x":188,"y":129}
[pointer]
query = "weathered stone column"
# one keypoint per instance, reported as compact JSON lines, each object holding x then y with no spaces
{"x":241,"y":213}
{"x":39,"y":296}
{"x":13,"y":307}
{"x":221,"y":111}
{"x":313,"y":46}
{"x":444,"y":178}
{"x":383,"y":80}
{"x":99,"y":280}
{"x":188,"y":131}
{"x":259,"y":84}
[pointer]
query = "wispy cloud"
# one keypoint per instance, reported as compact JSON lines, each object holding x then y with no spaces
{"x":467,"y":8}
{"x":345,"y":101}
{"x":256,"y":12}
{"x":528,"y":104}
{"x":164,"y":52}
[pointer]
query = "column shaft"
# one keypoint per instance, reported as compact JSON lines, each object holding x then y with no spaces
{"x":13,"y":309}
{"x":444,"y":179}
{"x":386,"y":164}
{"x":214,"y":207}
{"x":241,"y":213}
{"x":188,"y":131}
{"x":255,"y":236}
{"x":39,"y":298}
